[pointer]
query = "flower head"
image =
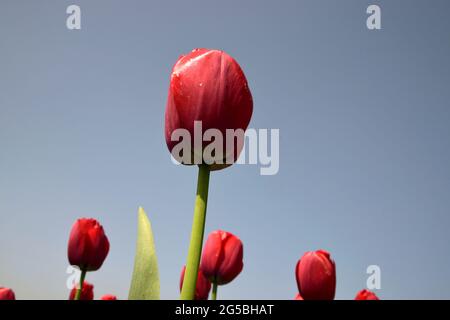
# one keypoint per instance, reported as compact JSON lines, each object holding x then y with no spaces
{"x":88,"y":245}
{"x":222,"y":257}
{"x":316,"y":276}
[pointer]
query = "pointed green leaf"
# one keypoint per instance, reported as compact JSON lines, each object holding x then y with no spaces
{"x":145,"y":281}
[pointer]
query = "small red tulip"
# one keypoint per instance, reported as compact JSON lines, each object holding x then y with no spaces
{"x":366,"y":295}
{"x":88,"y":245}
{"x":7,"y":294}
{"x":316,"y":276}
{"x":202,"y":287}
{"x":208,"y":86}
{"x":87,"y":292}
{"x":222,"y":257}
{"x":108,"y":297}
{"x":298,"y":297}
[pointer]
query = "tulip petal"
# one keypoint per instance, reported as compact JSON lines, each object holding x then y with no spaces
{"x":145,"y":280}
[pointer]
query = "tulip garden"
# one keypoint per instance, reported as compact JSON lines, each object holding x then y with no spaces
{"x":206,"y":86}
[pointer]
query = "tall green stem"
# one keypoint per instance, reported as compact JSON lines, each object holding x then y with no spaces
{"x":198,"y":229}
{"x":78,"y":294}
{"x":214,"y":291}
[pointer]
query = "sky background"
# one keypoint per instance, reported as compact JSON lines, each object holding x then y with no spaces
{"x":364,"y":119}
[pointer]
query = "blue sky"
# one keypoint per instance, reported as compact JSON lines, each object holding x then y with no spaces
{"x":364,"y":123}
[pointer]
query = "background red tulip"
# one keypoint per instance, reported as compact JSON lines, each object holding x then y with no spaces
{"x":316,"y":276}
{"x":87,"y":292}
{"x":88,"y":245}
{"x":222,"y":257}
{"x":366,"y":295}
{"x":7,"y":294}
{"x":108,"y":297}
{"x":203,"y":285}
{"x":298,"y":297}
{"x":208,"y":86}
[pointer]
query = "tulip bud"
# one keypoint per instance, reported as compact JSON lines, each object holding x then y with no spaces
{"x":366,"y":295}
{"x":7,"y":294}
{"x":108,"y":297}
{"x":316,"y":276}
{"x":222,"y":257}
{"x":202,"y":287}
{"x":208,"y":86}
{"x":298,"y":297}
{"x":88,"y":245}
{"x":87,"y":292}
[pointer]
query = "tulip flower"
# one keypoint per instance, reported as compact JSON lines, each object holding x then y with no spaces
{"x":86,"y":293}
{"x":316,"y":276}
{"x":298,"y":297}
{"x":7,"y":294}
{"x":366,"y":295}
{"x":207,"y":88}
{"x":222,"y":258}
{"x":208,"y":92}
{"x":203,"y":285}
{"x":88,"y":247}
{"x":108,"y":297}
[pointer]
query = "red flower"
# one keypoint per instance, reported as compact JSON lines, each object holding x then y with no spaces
{"x":87,"y":292}
{"x":108,"y":297}
{"x":88,"y":245}
{"x":298,"y":297}
{"x":202,"y":287}
{"x":366,"y":295}
{"x":208,"y":86}
{"x":222,"y":257}
{"x":316,"y":276}
{"x":7,"y":294}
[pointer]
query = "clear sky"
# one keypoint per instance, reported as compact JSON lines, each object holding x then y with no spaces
{"x":364,"y":119}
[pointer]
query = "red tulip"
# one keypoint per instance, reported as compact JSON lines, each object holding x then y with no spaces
{"x":222,"y":257}
{"x":202,"y":287}
{"x":88,"y":245}
{"x":298,"y":297}
{"x":7,"y":294}
{"x":316,"y":276}
{"x":87,"y":292}
{"x":366,"y":295}
{"x":108,"y":297}
{"x":208,"y":86}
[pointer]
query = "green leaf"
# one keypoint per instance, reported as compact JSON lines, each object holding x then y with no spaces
{"x":145,"y":281}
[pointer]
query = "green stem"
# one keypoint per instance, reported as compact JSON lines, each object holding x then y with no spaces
{"x":198,"y":229}
{"x":78,"y":294}
{"x":214,"y":291}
